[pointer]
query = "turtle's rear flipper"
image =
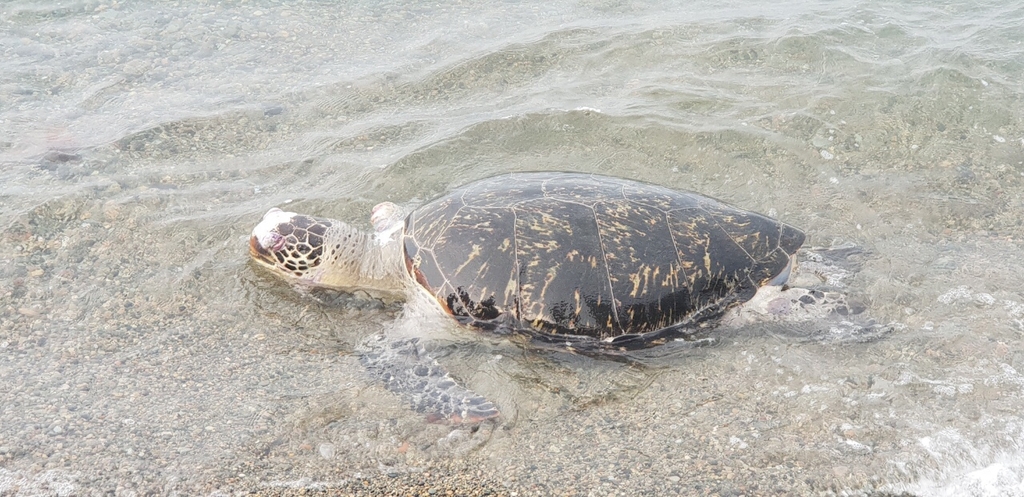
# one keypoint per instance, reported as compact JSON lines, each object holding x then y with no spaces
{"x":825,"y":273}
{"x":842,"y":319}
{"x":832,"y":266}
{"x":406,"y":369}
{"x":821,"y":316}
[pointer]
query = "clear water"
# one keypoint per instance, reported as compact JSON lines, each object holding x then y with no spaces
{"x":141,"y":141}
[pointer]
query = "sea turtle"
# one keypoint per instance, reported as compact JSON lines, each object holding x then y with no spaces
{"x":583,"y":262}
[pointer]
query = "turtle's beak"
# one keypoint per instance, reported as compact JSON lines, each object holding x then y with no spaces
{"x":256,"y":249}
{"x":261,"y":253}
{"x":265,"y":240}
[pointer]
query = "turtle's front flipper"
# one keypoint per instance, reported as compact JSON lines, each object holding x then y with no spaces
{"x":406,"y":369}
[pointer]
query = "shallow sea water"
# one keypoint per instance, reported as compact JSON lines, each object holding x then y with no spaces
{"x":140,"y":352}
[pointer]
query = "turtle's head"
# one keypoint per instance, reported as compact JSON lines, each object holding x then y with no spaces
{"x":291,"y":245}
{"x":328,"y":253}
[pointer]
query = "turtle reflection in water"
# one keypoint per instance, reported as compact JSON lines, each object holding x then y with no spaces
{"x":590,"y":263}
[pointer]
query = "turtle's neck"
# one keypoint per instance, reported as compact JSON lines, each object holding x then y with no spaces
{"x":354,"y":260}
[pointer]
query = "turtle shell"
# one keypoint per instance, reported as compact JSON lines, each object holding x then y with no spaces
{"x":587,"y":255}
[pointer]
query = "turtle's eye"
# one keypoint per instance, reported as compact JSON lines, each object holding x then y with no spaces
{"x":267,"y":246}
{"x":275,"y":242}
